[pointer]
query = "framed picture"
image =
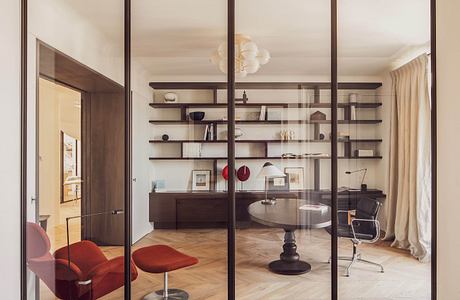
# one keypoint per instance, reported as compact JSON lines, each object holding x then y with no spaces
{"x":279,"y":184}
{"x":201,"y":180}
{"x":296,"y":177}
{"x":70,"y":168}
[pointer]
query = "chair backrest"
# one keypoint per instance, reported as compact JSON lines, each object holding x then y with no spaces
{"x":55,"y":273}
{"x":38,"y":243}
{"x":367,"y":208}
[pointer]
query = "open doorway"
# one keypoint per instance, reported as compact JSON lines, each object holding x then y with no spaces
{"x":79,"y":163}
{"x":59,"y":165}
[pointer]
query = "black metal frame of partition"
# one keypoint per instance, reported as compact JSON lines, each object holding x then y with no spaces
{"x":128,"y":148}
{"x":231,"y":148}
{"x":23,"y":162}
{"x":334,"y":162}
{"x":231,"y":218}
{"x":434,"y":155}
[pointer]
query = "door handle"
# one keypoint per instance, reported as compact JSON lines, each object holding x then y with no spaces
{"x":33,"y":199}
{"x":135,"y":179}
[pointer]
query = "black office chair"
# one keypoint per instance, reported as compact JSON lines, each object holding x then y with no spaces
{"x":364,"y":228}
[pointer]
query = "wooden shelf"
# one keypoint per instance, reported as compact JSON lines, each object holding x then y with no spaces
{"x":265,"y":141}
{"x":264,"y":85}
{"x":261,"y":158}
{"x":277,"y":104}
{"x":274,"y":122}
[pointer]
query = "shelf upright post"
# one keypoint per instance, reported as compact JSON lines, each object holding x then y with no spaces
{"x":317,"y":132}
{"x":183,"y":113}
{"x":214,"y":95}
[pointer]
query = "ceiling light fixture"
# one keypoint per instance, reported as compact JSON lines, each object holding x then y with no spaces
{"x":248,"y":57}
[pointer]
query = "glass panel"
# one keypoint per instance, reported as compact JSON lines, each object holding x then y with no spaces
{"x":179,"y":148}
{"x":283,"y":150}
{"x":385,"y":140}
{"x":76,"y":148}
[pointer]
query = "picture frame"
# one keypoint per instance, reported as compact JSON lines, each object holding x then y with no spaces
{"x":279,"y":183}
{"x":70,"y":177}
{"x":201,"y":180}
{"x":296,"y":177}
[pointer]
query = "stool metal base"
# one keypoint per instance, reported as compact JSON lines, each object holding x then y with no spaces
{"x":173,"y":294}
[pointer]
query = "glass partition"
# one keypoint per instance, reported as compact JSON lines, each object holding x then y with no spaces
{"x":179,"y":146}
{"x":283,"y":149}
{"x":76,"y":164}
{"x":384,"y":176}
{"x":284,"y":160}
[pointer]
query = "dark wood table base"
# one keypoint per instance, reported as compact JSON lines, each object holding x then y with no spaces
{"x":289,"y":262}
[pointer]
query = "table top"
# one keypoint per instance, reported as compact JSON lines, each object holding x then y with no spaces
{"x":286,"y":213}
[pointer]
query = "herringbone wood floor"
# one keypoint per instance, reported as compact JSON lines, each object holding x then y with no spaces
{"x":404,"y":277}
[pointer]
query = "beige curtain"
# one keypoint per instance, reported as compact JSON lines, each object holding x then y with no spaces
{"x":408,"y":203}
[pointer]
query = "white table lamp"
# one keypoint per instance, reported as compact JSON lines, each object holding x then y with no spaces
{"x":269,"y":171}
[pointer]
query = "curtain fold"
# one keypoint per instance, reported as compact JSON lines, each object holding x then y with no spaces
{"x":408,"y":204}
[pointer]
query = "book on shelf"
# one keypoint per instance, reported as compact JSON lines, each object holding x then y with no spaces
{"x":353,"y":113}
{"x":206,"y":129}
{"x":210,"y":132}
{"x":263,"y":112}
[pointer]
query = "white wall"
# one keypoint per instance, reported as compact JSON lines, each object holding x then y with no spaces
{"x":10,"y":149}
{"x":448,"y":24}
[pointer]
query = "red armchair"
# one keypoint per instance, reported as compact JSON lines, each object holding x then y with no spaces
{"x":91,"y":274}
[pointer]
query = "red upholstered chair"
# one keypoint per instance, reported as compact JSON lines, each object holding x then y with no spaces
{"x":91,"y":274}
{"x":163,"y":259}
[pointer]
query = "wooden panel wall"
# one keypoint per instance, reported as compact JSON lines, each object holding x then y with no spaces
{"x":105,"y":161}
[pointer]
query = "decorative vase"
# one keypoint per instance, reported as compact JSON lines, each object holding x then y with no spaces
{"x":353,"y":97}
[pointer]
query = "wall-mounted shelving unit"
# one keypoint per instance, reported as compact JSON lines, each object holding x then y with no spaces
{"x":316,"y":103}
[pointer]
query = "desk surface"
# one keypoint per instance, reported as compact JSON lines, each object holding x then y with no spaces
{"x":286,"y":213}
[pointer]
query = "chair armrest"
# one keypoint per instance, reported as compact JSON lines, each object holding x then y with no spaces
{"x":115,"y":265}
{"x":377,"y":228}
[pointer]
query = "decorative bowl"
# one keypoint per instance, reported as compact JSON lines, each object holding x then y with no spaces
{"x":171,"y":97}
{"x":196,"y":115}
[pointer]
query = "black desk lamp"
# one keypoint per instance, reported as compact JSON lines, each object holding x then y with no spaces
{"x":363,"y":186}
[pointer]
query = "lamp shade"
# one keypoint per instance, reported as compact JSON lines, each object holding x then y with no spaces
{"x":270,"y":171}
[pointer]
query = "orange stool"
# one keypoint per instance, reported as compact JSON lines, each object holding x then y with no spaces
{"x":163,"y":259}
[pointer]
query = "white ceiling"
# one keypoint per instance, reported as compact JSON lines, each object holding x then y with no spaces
{"x":177,"y":37}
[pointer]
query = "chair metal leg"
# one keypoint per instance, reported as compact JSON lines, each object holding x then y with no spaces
{"x":372,"y":263}
{"x":340,"y":258}
{"x":166,"y":293}
{"x":355,"y":259}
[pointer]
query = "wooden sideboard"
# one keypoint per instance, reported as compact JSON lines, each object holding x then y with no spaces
{"x":173,"y":210}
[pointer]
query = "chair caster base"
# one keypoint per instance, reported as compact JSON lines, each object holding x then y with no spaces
{"x":173,"y":294}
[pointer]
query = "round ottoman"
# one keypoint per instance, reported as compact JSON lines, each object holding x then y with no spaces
{"x":163,"y":259}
